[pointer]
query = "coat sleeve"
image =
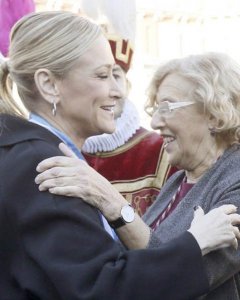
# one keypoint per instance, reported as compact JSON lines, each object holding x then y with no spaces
{"x":223,"y":264}
{"x":62,"y":252}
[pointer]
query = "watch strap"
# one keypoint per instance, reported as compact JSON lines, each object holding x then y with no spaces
{"x":123,"y":219}
{"x":117,"y":223}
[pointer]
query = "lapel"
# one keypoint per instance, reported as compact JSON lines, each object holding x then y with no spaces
{"x":165,"y":196}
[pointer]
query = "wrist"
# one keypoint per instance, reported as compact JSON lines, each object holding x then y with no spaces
{"x":201,"y":240}
{"x":112,"y":210}
{"x":126,"y":216}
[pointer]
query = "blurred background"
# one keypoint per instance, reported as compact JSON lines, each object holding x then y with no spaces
{"x":161,"y":30}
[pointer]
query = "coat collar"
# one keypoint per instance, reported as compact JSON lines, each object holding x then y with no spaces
{"x":16,"y":129}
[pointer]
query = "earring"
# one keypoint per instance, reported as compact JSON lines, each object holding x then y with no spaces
{"x":212,"y":131}
{"x":54,"y":109}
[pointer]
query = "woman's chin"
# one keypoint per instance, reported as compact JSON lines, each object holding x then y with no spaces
{"x":109,"y":129}
{"x":172,"y":160}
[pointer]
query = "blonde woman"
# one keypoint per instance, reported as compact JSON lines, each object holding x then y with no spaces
{"x":58,"y":248}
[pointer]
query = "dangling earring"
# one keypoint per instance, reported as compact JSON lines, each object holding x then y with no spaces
{"x":212,"y":131}
{"x":54,"y":109}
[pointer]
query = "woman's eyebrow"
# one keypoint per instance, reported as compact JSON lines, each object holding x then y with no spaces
{"x":116,"y":68}
{"x":108,"y":66}
{"x":168,"y":99}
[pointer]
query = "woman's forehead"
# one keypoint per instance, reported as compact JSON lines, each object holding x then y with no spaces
{"x":97,"y":56}
{"x":174,"y":86}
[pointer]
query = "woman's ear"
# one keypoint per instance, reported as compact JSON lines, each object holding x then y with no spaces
{"x":212,"y":122}
{"x":46,"y":85}
{"x":129,"y":86}
{"x":213,"y":125}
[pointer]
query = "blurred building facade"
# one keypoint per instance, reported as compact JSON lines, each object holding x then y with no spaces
{"x":167,"y":29}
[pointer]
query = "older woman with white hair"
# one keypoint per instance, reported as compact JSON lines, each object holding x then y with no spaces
{"x":195,"y":104}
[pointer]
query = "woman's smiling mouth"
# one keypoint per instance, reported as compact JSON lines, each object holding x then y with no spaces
{"x":167,"y":140}
{"x":108,"y":108}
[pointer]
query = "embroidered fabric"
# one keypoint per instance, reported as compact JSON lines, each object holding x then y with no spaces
{"x":126,"y":126}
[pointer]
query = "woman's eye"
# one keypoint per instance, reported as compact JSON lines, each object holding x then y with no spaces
{"x":116,"y":76}
{"x":103,"y":76}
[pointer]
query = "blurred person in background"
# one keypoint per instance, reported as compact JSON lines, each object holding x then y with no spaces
{"x":10,"y":12}
{"x":132,"y":158}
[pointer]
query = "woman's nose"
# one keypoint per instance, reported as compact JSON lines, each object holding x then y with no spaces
{"x":115,"y":91}
{"x":158,"y":121}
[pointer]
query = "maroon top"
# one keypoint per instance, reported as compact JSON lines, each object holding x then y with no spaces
{"x":177,"y":197}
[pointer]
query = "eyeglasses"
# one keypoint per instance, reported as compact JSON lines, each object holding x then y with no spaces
{"x":166,"y":107}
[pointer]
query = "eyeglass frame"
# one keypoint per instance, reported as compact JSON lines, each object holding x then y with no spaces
{"x":173,"y":105}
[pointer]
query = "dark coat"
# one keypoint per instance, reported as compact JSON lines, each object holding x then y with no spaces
{"x":54,"y":247}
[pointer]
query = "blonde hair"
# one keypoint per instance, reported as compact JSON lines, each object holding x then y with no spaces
{"x":51,"y":40}
{"x":217,"y":80}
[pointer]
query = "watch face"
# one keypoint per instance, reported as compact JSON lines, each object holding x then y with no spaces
{"x":127,"y":213}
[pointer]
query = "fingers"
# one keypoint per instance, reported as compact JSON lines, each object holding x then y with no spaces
{"x":55,"y":172}
{"x":234,"y":219}
{"x":53,"y":162}
{"x":67,"y":151}
{"x":54,"y":182}
{"x":58,"y":161}
{"x":69,"y":191}
{"x":236,"y":232}
{"x":228,"y":208}
{"x":235,"y":244}
{"x":236,"y":236}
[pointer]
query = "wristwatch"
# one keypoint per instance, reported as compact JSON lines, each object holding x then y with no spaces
{"x":127,"y":216}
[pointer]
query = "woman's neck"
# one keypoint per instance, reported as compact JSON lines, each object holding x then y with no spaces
{"x":195,"y":174}
{"x":63,"y":126}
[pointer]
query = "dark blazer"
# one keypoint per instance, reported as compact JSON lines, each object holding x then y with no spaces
{"x":54,"y":247}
